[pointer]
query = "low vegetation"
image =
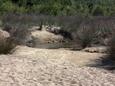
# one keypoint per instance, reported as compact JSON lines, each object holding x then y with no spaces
{"x":83,"y":30}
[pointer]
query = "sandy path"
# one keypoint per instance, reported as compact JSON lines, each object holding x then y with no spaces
{"x":23,"y":71}
{"x":78,"y":57}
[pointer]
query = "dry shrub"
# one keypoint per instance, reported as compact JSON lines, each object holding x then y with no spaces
{"x":95,"y":31}
{"x":85,"y":36}
{"x":20,"y":34}
{"x":86,"y":30}
{"x":112,"y":49}
{"x":6,"y":46}
{"x":108,"y":61}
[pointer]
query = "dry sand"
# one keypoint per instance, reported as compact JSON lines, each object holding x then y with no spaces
{"x":24,"y":71}
{"x":78,"y":57}
{"x":52,"y":67}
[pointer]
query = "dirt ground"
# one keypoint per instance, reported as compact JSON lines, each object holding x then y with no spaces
{"x":52,"y":67}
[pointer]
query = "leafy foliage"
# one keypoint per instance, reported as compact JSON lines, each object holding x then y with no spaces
{"x":59,"y":7}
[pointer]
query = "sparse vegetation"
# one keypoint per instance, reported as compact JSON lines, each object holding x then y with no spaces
{"x":85,"y":30}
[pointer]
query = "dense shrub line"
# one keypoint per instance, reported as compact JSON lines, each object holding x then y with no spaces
{"x":85,"y":30}
{"x":59,"y":7}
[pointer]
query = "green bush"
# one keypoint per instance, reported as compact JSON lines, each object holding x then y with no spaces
{"x":8,"y":7}
{"x":21,"y":10}
{"x":59,"y":7}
